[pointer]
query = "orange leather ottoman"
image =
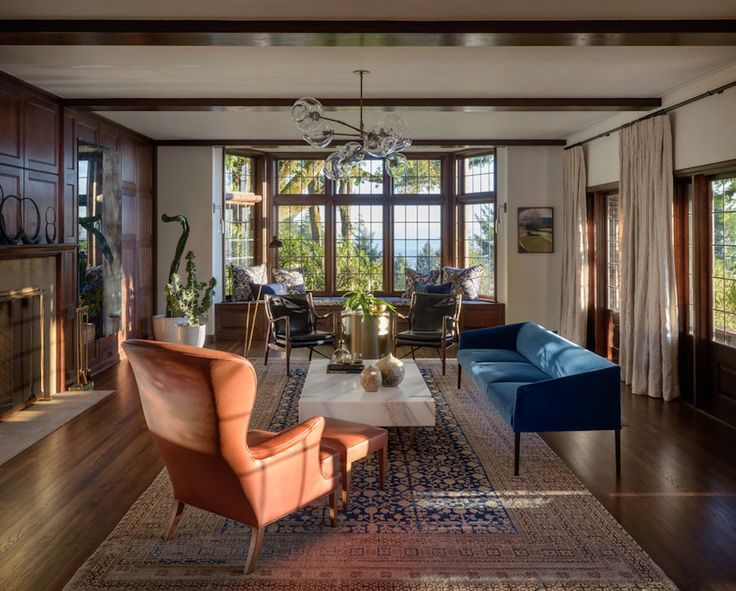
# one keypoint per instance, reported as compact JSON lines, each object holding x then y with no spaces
{"x":356,"y":441}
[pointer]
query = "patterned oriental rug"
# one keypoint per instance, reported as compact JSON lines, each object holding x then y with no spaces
{"x":453,"y":517}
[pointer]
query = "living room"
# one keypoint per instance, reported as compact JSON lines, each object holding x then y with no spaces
{"x":373,"y":296}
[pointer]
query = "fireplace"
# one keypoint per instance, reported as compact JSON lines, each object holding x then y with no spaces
{"x":22,"y":348}
{"x":28,"y":345}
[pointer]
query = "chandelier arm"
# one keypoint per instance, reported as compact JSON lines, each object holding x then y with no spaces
{"x":360,"y":131}
{"x":358,"y":135}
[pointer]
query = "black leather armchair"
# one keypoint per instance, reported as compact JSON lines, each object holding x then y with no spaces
{"x":434,"y":321}
{"x":292,"y":323}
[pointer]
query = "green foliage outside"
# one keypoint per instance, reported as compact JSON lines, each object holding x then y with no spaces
{"x":724,"y":260}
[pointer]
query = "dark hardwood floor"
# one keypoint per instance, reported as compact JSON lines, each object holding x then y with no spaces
{"x":677,"y":495}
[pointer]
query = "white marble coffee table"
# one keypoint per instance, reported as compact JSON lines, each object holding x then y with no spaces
{"x":410,"y":404}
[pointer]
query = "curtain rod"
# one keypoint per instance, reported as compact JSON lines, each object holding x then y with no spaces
{"x":664,"y":111}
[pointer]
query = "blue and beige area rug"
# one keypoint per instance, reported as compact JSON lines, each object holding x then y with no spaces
{"x":452,"y":517}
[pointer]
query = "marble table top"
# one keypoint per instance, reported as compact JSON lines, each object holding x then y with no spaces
{"x":410,"y":404}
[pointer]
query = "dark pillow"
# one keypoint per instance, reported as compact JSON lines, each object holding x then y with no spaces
{"x":292,"y":280}
{"x":412,"y":277}
{"x":444,"y":289}
{"x":268,"y":289}
{"x":243,"y":277}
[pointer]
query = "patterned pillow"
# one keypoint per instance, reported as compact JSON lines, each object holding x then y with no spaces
{"x":293,"y":280}
{"x":464,"y":281}
{"x":413,"y":277}
{"x":243,"y":277}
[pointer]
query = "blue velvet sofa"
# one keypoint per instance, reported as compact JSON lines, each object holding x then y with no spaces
{"x":538,"y":381}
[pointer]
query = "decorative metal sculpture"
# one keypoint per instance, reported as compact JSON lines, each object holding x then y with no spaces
{"x":179,"y":248}
{"x":50,"y":225}
{"x":21,"y":236}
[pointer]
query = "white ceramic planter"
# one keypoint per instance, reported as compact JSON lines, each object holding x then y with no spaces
{"x":191,"y":335}
{"x":164,"y":329}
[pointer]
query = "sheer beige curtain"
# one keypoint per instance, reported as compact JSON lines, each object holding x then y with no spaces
{"x":649,"y":324}
{"x":574,"y":309}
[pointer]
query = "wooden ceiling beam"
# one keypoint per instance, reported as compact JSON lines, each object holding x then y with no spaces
{"x":442,"y":104}
{"x":432,"y":143}
{"x":369,"y":33}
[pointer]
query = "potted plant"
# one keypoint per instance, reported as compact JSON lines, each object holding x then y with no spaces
{"x":164,"y":325}
{"x":191,"y":302}
{"x":366,"y":323}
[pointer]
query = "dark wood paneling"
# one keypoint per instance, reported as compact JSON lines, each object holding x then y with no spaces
{"x":109,"y":136}
{"x":43,"y":188}
{"x":144,"y":167}
{"x":11,"y":180}
{"x":41,"y":125}
{"x":11,"y":124}
{"x":373,"y":33}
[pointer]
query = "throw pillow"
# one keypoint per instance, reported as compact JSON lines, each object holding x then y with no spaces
{"x":464,"y":281}
{"x":293,"y":281}
{"x":444,"y":289}
{"x":413,"y":277}
{"x":267,"y":289}
{"x":243,"y":277}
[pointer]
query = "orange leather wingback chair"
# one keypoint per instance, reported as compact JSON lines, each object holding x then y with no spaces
{"x":197,"y":404}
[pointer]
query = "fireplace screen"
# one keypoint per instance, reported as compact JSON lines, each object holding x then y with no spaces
{"x":21,"y":348}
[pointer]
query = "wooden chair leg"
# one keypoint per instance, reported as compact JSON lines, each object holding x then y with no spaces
{"x":256,"y":538}
{"x":617,"y":434}
{"x":382,"y":464}
{"x":176,"y":511}
{"x":288,"y":360}
{"x":444,"y":358}
{"x":333,"y":508}
{"x":347,"y":472}
{"x":412,"y":353}
{"x":517,"y":450}
{"x":459,"y":375}
{"x":310,"y":353}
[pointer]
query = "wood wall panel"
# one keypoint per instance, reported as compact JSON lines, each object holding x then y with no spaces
{"x":11,"y":139}
{"x":38,"y":159}
{"x":41,"y":127}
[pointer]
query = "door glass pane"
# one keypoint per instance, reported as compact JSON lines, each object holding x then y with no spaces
{"x":723,"y":260}
{"x":613,"y":237}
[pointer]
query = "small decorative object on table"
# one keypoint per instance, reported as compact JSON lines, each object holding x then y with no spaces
{"x":342,"y":361}
{"x":341,"y":355}
{"x":370,"y":379}
{"x":392,"y":370}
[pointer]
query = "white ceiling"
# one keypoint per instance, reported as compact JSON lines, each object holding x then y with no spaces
{"x":422,"y":124}
{"x":375,"y":9}
{"x":112,"y":71}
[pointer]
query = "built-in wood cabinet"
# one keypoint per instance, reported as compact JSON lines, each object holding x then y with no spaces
{"x":38,"y":159}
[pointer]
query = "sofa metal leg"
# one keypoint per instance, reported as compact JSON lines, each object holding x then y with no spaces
{"x":459,"y":375}
{"x":617,"y":434}
{"x":517,"y":449}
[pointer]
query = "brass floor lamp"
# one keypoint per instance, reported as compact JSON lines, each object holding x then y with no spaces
{"x":250,"y":320}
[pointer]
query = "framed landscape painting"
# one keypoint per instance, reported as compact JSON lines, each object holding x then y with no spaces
{"x":536,"y":229}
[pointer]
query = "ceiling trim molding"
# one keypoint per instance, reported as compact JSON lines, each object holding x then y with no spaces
{"x":438,"y":143}
{"x":444,"y":104}
{"x":477,"y":33}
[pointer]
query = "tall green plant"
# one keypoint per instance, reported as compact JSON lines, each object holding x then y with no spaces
{"x":363,"y":300}
{"x":193,"y":299}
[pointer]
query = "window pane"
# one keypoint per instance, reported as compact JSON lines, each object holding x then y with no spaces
{"x":239,"y":237}
{"x":613,"y":237}
{"x":479,"y":174}
{"x":423,"y":177}
{"x":417,"y":239}
{"x":300,"y":177}
{"x":359,"y":236}
{"x":723,"y":259}
{"x":239,"y":174}
{"x":302,"y":230}
{"x":366,"y":178}
{"x":479,"y":236}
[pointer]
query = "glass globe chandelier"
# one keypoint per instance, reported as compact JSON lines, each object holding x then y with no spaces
{"x":386,"y":139}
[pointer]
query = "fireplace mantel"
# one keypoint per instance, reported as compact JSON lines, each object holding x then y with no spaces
{"x":34,"y":250}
